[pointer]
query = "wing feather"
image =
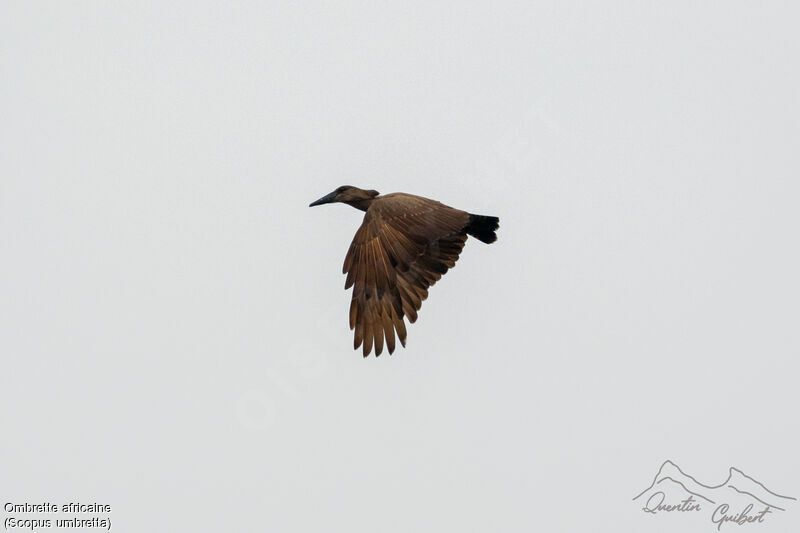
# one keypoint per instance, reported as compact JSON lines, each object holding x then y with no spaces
{"x":403,"y":247}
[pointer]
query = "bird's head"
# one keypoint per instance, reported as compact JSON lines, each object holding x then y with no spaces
{"x":347,"y":194}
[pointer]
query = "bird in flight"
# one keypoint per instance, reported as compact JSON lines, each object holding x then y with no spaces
{"x":404,"y":245}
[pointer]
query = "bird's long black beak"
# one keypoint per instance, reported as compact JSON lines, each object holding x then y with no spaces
{"x":327,"y":199}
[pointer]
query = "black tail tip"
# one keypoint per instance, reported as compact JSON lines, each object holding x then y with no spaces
{"x":483,"y":228}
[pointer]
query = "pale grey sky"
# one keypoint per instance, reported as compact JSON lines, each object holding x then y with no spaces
{"x":173,"y":324}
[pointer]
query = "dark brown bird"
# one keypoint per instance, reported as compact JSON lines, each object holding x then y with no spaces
{"x":404,"y":245}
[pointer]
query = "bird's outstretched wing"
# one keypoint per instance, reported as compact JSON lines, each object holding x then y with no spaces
{"x":405,"y":244}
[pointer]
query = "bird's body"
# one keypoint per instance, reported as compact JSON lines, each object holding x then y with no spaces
{"x":404,"y":245}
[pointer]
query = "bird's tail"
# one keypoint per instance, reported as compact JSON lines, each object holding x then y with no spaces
{"x":483,"y":227}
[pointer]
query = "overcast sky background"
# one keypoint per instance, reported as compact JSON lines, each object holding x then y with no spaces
{"x":173,"y":327}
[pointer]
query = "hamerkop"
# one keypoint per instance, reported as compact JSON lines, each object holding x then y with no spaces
{"x":404,"y":245}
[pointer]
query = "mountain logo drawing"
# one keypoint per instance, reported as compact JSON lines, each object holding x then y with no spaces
{"x":739,"y":500}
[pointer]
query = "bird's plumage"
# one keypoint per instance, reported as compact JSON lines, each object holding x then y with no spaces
{"x":404,"y":245}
